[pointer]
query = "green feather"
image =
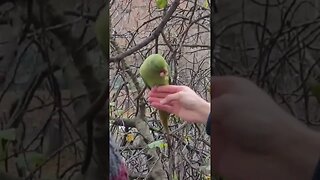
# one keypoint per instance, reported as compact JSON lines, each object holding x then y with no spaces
{"x":145,"y":83}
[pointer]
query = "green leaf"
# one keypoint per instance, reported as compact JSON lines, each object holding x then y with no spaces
{"x":8,"y":134}
{"x":119,"y":112}
{"x":112,"y":104}
{"x":161,"y":4}
{"x":187,"y":138}
{"x":163,"y":145}
{"x":160,"y":144}
{"x":206,"y":4}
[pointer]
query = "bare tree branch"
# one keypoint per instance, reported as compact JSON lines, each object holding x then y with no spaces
{"x":152,"y":37}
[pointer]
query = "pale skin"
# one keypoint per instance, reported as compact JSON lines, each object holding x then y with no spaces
{"x":252,"y":136}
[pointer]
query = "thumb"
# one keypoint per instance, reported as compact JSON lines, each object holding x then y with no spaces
{"x":170,"y":97}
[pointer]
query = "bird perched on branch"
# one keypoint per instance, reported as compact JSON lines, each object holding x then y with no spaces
{"x":155,"y":72}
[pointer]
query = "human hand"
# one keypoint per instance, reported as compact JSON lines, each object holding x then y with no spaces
{"x":181,"y":101}
{"x":253,"y":138}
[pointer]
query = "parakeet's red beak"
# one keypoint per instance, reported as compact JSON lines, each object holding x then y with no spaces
{"x":163,"y":73}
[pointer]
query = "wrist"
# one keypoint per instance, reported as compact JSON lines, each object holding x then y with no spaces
{"x":204,"y":111}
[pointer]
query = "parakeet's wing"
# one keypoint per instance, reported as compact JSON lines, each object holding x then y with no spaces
{"x":145,"y":82}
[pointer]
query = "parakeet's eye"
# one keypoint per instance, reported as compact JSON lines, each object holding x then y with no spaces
{"x":163,"y":73}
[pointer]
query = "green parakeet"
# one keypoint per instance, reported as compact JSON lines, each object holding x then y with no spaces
{"x":154,"y":71}
{"x":102,"y":30}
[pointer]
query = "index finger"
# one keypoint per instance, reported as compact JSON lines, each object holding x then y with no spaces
{"x":168,"y":89}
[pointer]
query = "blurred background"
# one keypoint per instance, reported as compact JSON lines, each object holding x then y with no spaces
{"x":51,"y":71}
{"x":277,"y":45}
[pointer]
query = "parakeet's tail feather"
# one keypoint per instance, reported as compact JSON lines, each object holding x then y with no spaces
{"x":164,"y":117}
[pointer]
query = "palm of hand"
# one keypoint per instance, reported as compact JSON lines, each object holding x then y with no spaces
{"x":185,"y":109}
